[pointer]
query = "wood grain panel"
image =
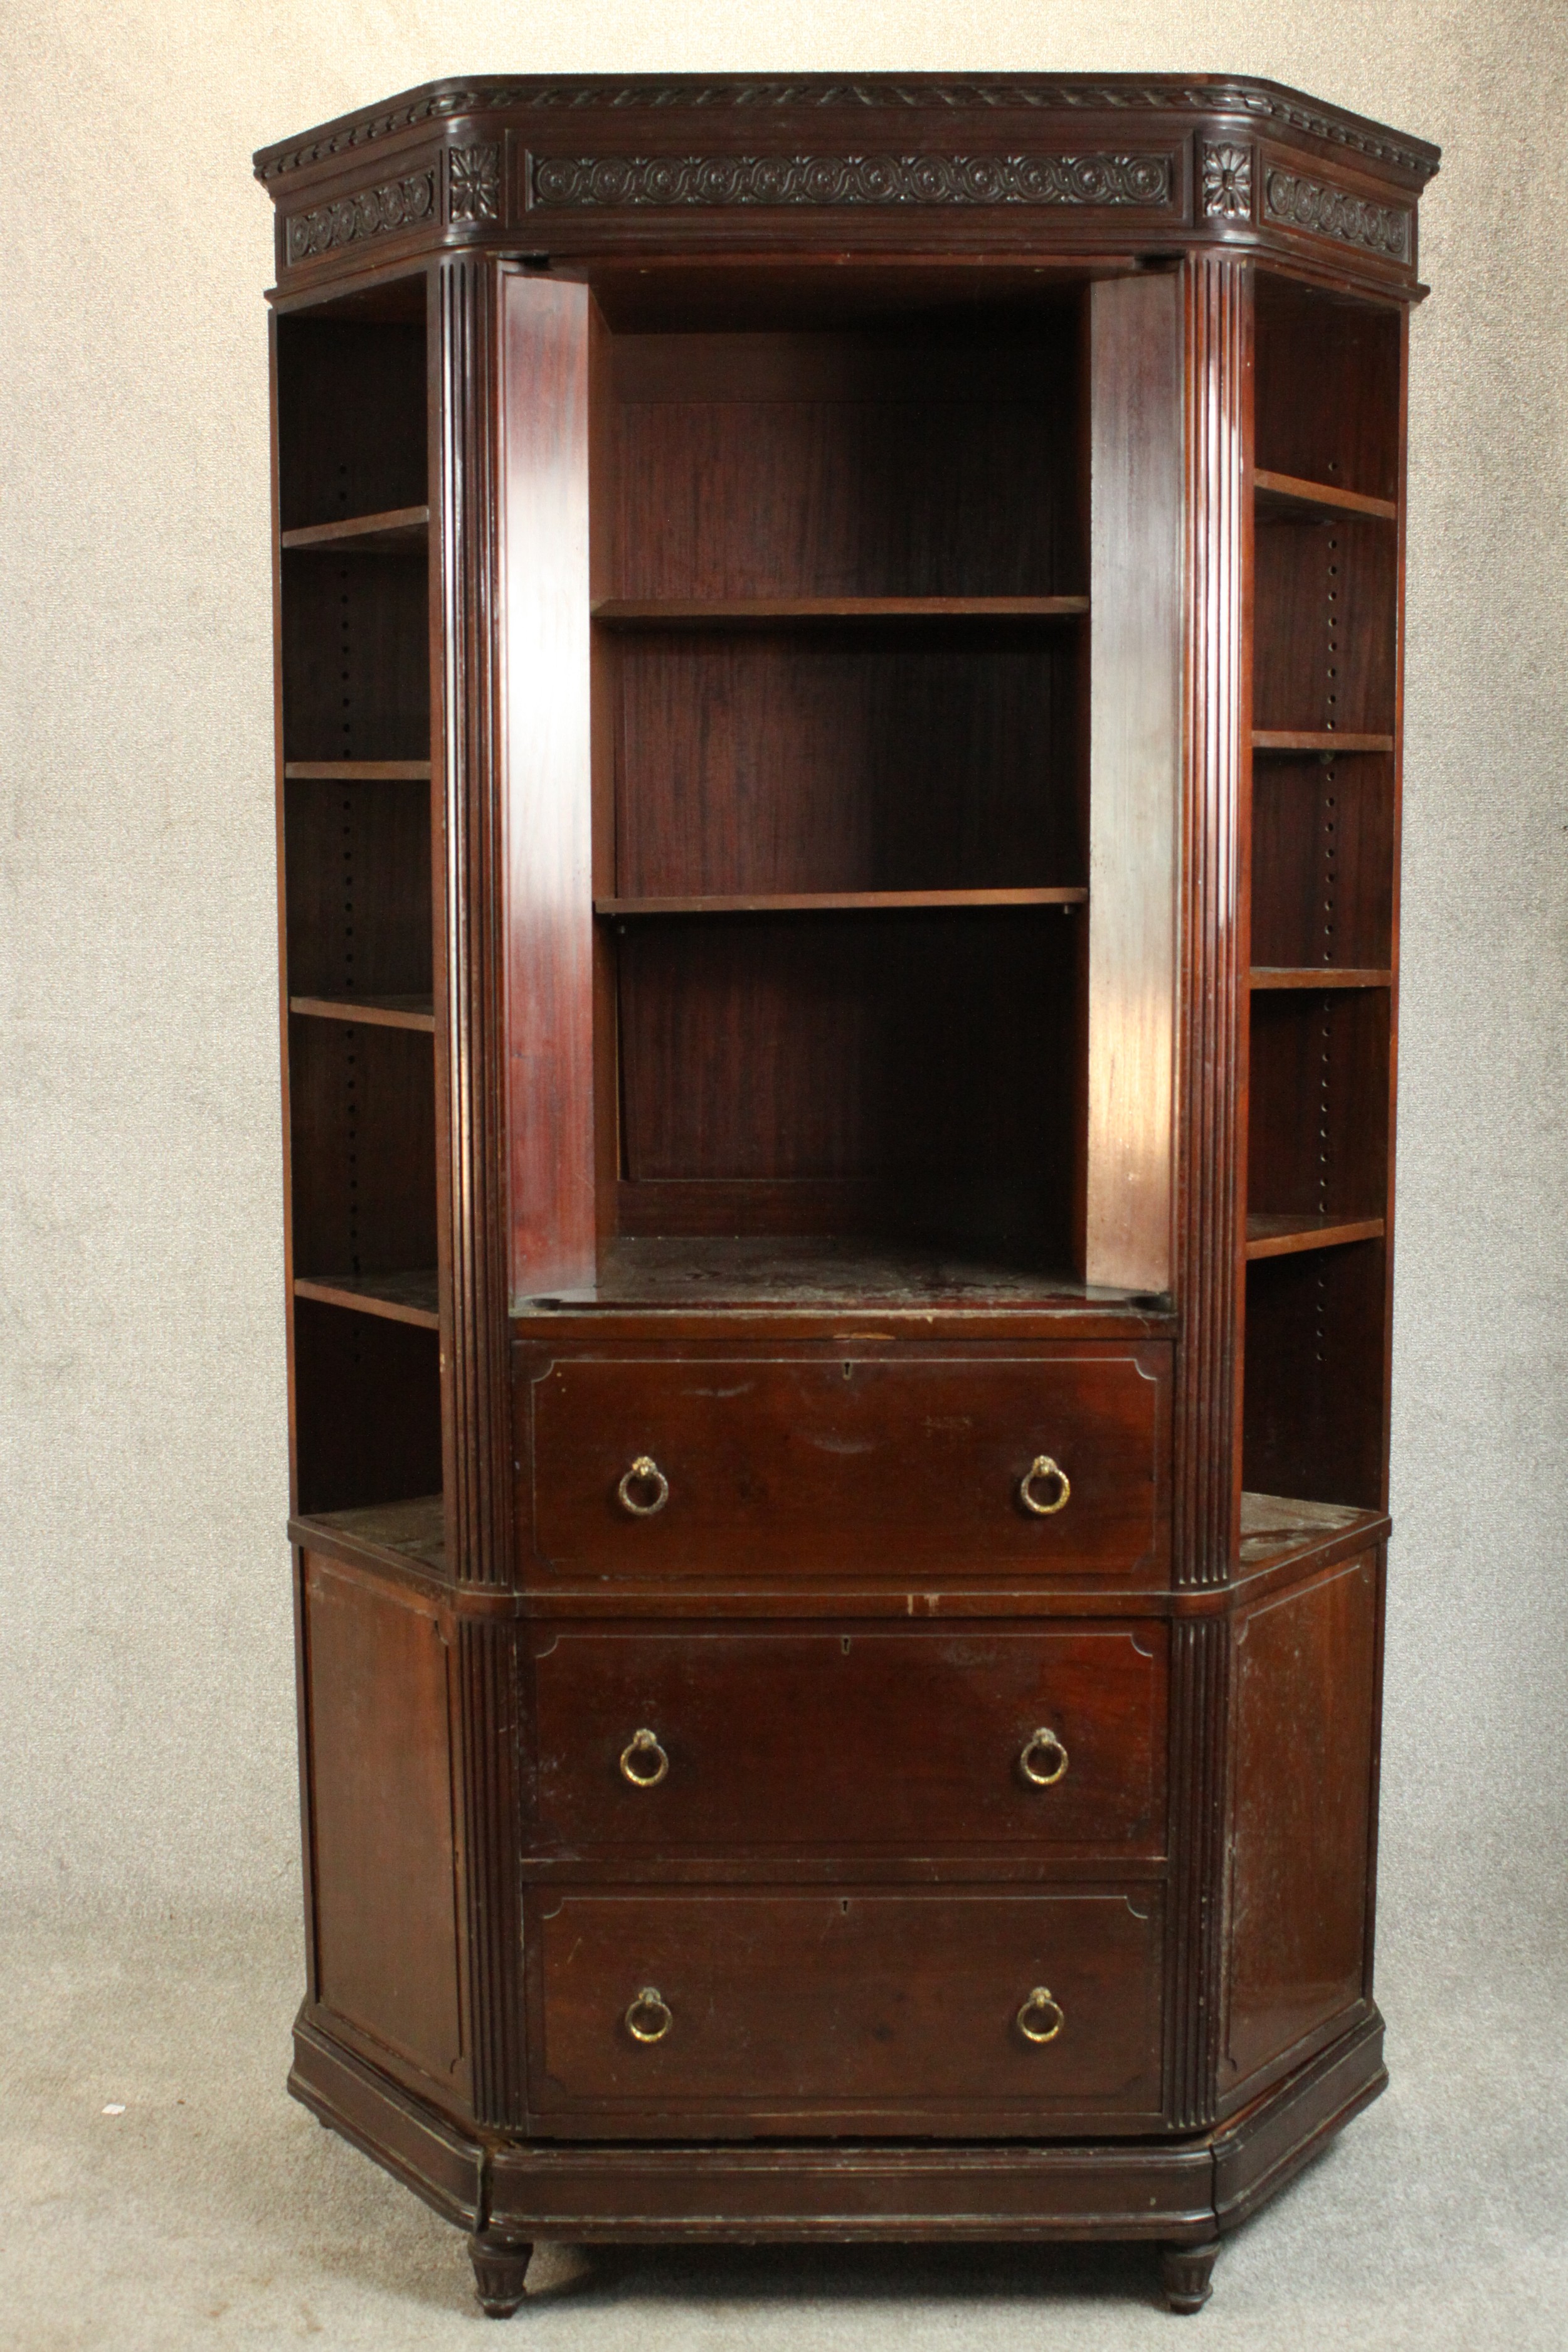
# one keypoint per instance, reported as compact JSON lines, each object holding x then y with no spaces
{"x":363,"y":1132}
{"x":385,"y":1887}
{"x":1323,"y":861}
{"x":861,"y":1737}
{"x":355,"y":652}
{"x":1318,"y":1137}
{"x":367,"y":1408}
{"x":1317,"y":1373}
{"x":793,"y":760}
{"x":868,"y":1468}
{"x":544,"y":329}
{"x":1304,"y":1730}
{"x":351,"y":418}
{"x":357,"y":883}
{"x":1135,"y":589}
{"x":1328,"y":388}
{"x":817,"y":464}
{"x":930,"y":1054}
{"x":791,"y":2006}
{"x":1324,"y":626}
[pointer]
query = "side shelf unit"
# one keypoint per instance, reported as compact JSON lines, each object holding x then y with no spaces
{"x":360,"y":917}
{"x":1324,"y":841}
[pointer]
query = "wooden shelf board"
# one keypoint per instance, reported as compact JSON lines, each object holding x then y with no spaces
{"x":1316,"y":976}
{"x":742,"y":612}
{"x":1282,"y":1237}
{"x":358,"y":771}
{"x":1327,"y":741}
{"x":396,"y":532}
{"x":1273,"y":1526}
{"x":399,"y":1297}
{"x":840,"y":902}
{"x":377,"y":1011}
{"x":414,"y":1530}
{"x":1288,"y":495}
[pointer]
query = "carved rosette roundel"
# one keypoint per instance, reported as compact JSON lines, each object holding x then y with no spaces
{"x":373,"y":212}
{"x":473,"y":184}
{"x":607,"y":182}
{"x":1228,"y":182}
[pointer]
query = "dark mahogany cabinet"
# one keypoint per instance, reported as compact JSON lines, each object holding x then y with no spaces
{"x":838,"y":711}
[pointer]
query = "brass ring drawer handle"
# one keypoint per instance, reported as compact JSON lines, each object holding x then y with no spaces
{"x":650,"y":2018}
{"x":1040,"y":2019}
{"x":1041,"y":1749}
{"x":1039,"y":1470}
{"x":644,"y":1763}
{"x":645,"y":1472}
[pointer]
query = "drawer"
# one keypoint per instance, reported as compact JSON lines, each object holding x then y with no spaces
{"x":909,"y":1469}
{"x":797,"y":2006}
{"x":909,"y":1739}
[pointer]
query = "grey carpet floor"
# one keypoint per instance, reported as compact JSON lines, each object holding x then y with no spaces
{"x":213,"y":2213}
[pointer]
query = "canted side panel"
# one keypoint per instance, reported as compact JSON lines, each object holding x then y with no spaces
{"x":385,"y":1894}
{"x":1304,"y":1678}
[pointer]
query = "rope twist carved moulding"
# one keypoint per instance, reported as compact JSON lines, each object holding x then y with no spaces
{"x":587,"y":182}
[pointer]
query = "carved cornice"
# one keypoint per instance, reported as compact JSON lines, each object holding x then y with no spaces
{"x":587,"y":182}
{"x":371,"y":212}
{"x":1264,"y":102}
{"x":1317,"y":207}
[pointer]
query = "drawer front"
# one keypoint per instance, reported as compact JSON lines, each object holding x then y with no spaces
{"x":795,"y":2006}
{"x":915,"y":1739}
{"x":904,"y":1469}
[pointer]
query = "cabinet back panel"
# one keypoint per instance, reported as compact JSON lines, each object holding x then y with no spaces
{"x":1324,"y":626}
{"x":1317,"y":1376}
{"x":1317,"y":1130}
{"x":825,"y":466}
{"x":1323,"y":861}
{"x":1327,"y":389}
{"x":356,"y":657}
{"x":933,"y":1054}
{"x":357,"y":868}
{"x":362,"y":1124}
{"x":351,"y":419}
{"x":799,"y":760}
{"x":367,"y":1408}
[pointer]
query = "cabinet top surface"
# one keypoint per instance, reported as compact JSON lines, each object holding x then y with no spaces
{"x":1097,"y":170}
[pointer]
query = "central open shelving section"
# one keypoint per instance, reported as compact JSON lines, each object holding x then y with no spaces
{"x":840,"y":773}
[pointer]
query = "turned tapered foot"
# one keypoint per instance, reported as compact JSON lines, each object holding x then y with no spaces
{"x":500,"y":2266}
{"x":1185,"y":2274}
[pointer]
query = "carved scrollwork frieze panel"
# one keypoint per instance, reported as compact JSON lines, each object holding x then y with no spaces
{"x":369,"y":213}
{"x":619,"y":183}
{"x":1293,"y":200}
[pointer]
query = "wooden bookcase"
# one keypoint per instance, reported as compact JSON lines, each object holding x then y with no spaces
{"x":839,"y":697}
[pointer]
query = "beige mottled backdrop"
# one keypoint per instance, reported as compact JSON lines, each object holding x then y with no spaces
{"x":146,"y":1698}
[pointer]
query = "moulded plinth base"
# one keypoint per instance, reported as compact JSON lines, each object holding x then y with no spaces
{"x":1183,"y":2192}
